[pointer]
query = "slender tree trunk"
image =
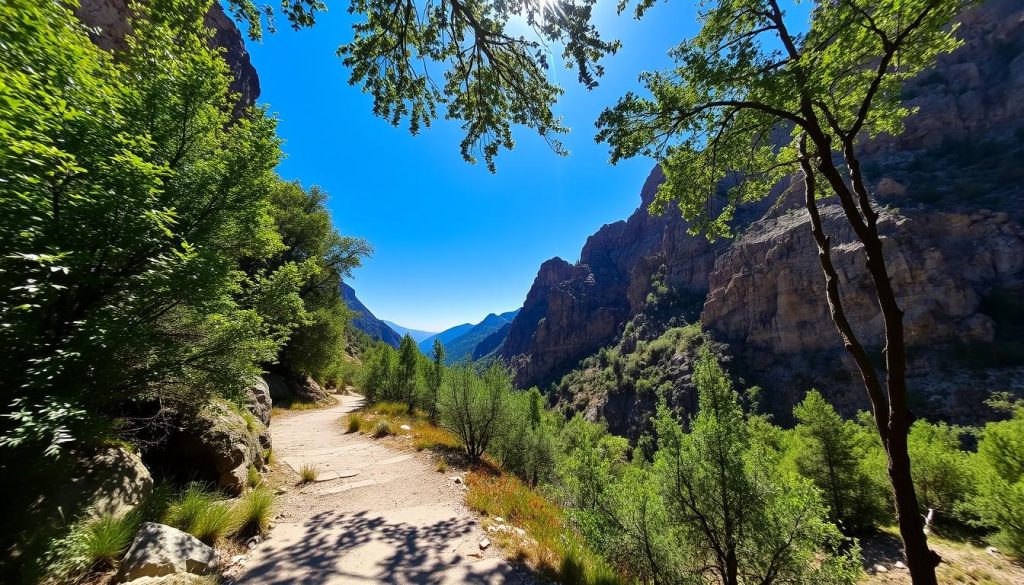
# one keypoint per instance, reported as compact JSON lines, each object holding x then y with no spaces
{"x":892,"y":418}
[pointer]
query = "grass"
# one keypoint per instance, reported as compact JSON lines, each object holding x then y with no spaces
{"x":354,"y":423}
{"x":253,"y":476}
{"x":390,"y":408}
{"x":428,"y":436}
{"x":382,"y":429}
{"x":442,"y":465}
{"x":91,"y":545}
{"x":201,"y":513}
{"x":253,"y":511}
{"x":554,"y":549}
{"x":308,"y":473}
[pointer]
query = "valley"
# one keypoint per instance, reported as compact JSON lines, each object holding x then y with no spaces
{"x":798,"y":359}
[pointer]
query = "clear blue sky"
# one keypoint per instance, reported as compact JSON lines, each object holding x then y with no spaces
{"x":452,"y":241}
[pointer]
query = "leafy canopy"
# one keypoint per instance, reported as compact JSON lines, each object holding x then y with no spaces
{"x":754,"y":73}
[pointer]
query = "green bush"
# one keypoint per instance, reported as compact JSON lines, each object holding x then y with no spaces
{"x":941,"y":471}
{"x":382,"y":429}
{"x":253,"y":511}
{"x":999,"y":480}
{"x":91,"y":545}
{"x":201,"y":513}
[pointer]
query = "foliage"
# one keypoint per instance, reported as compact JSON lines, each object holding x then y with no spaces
{"x":715,"y":503}
{"x":202,"y":513}
{"x":152,"y":257}
{"x":435,"y":376}
{"x":355,"y":423}
{"x":91,"y":544}
{"x":253,"y":511}
{"x":941,"y":471}
{"x":408,"y":357}
{"x":382,"y":429}
{"x":526,"y":446}
{"x":834,"y":454}
{"x":308,"y":473}
{"x":999,"y":465}
{"x":475,"y":407}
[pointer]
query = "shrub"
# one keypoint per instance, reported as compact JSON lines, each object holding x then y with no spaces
{"x":253,"y":511}
{"x":475,"y":407}
{"x":382,"y":429}
{"x":308,"y":473}
{"x":91,"y":545}
{"x":201,"y":513}
{"x":942,"y":477}
{"x":354,"y":422}
{"x":999,"y":473}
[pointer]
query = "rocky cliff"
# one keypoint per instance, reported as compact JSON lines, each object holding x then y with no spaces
{"x":110,"y":18}
{"x":957,"y":266}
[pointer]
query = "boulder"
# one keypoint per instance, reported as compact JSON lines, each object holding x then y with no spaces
{"x":294,"y":387}
{"x":219,"y":445}
{"x":108,"y":482}
{"x":258,"y":400}
{"x":160,"y":550}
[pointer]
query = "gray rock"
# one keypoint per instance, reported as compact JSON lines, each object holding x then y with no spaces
{"x":258,"y":400}
{"x":293,"y":387}
{"x":221,"y":444}
{"x":115,"y":481}
{"x":160,"y":550}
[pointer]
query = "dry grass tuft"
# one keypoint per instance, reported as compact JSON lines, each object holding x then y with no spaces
{"x":308,"y":473}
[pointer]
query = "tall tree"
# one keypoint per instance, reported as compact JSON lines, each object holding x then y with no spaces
{"x":752,"y":71}
{"x":435,"y":376}
{"x":408,"y":355}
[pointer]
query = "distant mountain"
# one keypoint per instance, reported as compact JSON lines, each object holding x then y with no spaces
{"x":472,"y":341}
{"x":366,"y":322}
{"x":427,"y":345}
{"x":416,"y":334}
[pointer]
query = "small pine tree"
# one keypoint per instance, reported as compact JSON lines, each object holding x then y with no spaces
{"x":435,"y":375}
{"x":405,"y":373}
{"x":829,"y":452}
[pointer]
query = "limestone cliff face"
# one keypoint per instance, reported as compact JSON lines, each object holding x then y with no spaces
{"x":762,"y":293}
{"x":110,"y":19}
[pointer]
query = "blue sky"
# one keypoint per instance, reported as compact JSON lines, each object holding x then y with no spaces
{"x":452,"y":241}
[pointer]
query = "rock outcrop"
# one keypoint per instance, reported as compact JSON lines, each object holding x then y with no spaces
{"x":218,"y":444}
{"x":110,"y":19}
{"x":160,"y":550}
{"x":258,"y":400}
{"x":574,"y":309}
{"x":291,"y":387}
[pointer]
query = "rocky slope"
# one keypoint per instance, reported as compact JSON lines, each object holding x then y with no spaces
{"x":957,"y":266}
{"x":365,"y":321}
{"x":110,"y":18}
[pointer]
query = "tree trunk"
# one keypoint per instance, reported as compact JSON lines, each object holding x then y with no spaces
{"x":890,"y":412}
{"x":921,"y":561}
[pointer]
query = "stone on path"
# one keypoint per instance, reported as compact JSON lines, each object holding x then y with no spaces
{"x":160,"y":550}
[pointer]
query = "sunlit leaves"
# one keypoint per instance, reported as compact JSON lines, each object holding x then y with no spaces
{"x":719,"y":120}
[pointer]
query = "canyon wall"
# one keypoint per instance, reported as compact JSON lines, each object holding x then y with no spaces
{"x":957,"y":265}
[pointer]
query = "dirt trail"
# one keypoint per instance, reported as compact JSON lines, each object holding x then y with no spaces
{"x":375,"y":515}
